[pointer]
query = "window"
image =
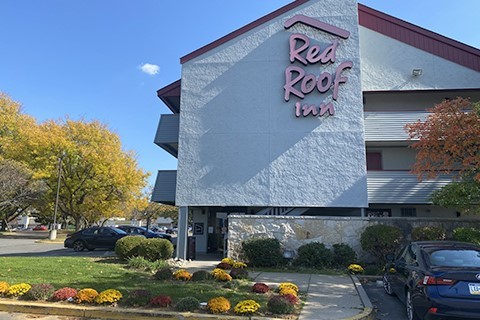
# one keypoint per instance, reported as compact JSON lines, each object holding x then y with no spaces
{"x":408,"y":212}
{"x":374,"y":161}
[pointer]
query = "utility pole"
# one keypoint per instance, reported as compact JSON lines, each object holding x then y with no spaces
{"x":53,"y":231}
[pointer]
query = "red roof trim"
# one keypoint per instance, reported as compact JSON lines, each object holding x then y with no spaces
{"x":242,"y":30}
{"x":171,"y":90}
{"x":418,"y":37}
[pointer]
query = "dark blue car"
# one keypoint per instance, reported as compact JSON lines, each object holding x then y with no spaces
{"x":141,"y":231}
{"x":436,"y":279}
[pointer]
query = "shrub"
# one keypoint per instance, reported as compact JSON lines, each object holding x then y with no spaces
{"x":108,"y":296}
{"x":313,"y":255}
{"x":164,"y":274}
{"x":3,"y":287}
{"x":343,"y":255}
{"x":288,"y":285}
{"x":64,"y":294}
{"x":201,"y":275}
{"x":18,"y":290}
{"x":246,"y":307}
{"x":217,"y":271}
{"x":467,"y":235}
{"x":40,"y":291}
{"x":355,"y":268}
{"x":239,"y":273}
{"x":224,"y":266}
{"x":262,"y":252}
{"x":182,"y":274}
{"x":234,"y":284}
{"x":280,"y":305}
{"x":161,"y":301}
{"x":239,"y":264}
{"x":218,"y":305}
{"x":138,"y":298}
{"x":378,"y":240}
{"x":155,"y":249}
{"x":229,"y":261}
{"x":87,"y":295}
{"x":127,"y":247}
{"x":187,"y":304}
{"x":143,"y":264}
{"x":428,"y":233}
{"x":260,"y":287}
{"x":373,"y":270}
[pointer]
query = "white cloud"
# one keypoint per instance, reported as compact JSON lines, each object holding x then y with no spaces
{"x":151,"y":69}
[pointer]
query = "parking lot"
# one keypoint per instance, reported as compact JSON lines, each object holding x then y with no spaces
{"x":386,"y":307}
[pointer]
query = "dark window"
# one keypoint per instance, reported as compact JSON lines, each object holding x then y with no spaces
{"x":374,"y":161}
{"x":455,"y":258}
{"x":408,"y":212}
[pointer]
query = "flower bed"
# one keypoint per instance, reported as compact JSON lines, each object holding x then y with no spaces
{"x":238,"y":297}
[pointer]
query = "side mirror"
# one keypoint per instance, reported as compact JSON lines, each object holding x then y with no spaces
{"x":390,"y":257}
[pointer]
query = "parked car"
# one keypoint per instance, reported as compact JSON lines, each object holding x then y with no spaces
{"x":40,"y":228}
{"x":141,"y":231}
{"x":436,"y":279}
{"x":93,"y":238}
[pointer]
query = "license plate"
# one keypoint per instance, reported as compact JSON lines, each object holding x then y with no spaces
{"x":474,"y":288}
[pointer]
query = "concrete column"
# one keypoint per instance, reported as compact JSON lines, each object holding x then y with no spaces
{"x":182,"y":233}
{"x":362,"y":211}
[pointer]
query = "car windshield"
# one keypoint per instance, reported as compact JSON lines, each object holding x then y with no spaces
{"x":455,"y":258}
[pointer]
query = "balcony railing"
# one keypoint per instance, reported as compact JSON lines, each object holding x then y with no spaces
{"x":402,"y":187}
{"x":389,"y":126}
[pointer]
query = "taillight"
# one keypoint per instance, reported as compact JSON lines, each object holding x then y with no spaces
{"x":429,"y":280}
{"x":432,"y":310}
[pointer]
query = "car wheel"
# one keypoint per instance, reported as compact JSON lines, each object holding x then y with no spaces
{"x":410,"y":309}
{"x":78,"y":245}
{"x":387,"y":286}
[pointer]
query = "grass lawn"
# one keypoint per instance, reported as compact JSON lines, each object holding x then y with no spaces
{"x":101,"y":274}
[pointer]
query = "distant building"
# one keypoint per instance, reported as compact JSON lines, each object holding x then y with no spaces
{"x":302,"y":112}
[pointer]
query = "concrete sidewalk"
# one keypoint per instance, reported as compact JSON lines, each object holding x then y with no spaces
{"x":328,"y":297}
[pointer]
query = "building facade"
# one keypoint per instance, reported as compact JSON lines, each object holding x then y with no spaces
{"x":302,"y":112}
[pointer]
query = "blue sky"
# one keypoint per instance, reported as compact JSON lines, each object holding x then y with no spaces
{"x":82,"y":59}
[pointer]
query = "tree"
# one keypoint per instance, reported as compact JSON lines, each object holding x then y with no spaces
{"x":146,"y":209}
{"x":18,"y":190}
{"x":98,"y":179}
{"x":449,"y":142}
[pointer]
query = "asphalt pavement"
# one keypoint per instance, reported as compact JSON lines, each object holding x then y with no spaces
{"x":386,"y":307}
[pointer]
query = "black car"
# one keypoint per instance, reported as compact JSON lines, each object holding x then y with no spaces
{"x":140,"y":231}
{"x":93,"y":238}
{"x":436,"y":279}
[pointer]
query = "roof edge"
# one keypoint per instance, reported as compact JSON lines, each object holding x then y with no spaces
{"x":242,"y":30}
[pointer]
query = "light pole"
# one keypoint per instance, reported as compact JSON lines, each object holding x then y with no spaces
{"x":53,"y":231}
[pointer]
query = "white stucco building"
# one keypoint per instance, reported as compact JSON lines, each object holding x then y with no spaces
{"x":302,"y":112}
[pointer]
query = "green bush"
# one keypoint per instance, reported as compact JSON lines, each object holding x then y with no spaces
{"x":467,"y":235}
{"x":127,"y":247}
{"x":373,"y":270}
{"x":427,"y":233}
{"x":187,"y":304}
{"x":164,"y":274}
{"x":280,"y":305}
{"x":201,"y":275}
{"x":40,"y":291}
{"x":262,"y":252}
{"x":378,"y":240}
{"x":343,"y":255}
{"x":155,"y":249}
{"x":239,"y":273}
{"x":313,"y":255}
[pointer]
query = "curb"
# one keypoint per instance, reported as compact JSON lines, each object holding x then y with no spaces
{"x":55,"y":309}
{"x":368,"y":311}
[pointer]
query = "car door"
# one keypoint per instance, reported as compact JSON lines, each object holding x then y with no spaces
{"x":105,"y":238}
{"x":405,"y":268}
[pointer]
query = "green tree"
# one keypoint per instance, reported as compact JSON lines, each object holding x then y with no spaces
{"x":98,"y":178}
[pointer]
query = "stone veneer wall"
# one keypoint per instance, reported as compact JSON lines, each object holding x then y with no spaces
{"x":293,"y":232}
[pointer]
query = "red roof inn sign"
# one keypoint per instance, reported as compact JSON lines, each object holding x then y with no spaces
{"x":298,"y":82}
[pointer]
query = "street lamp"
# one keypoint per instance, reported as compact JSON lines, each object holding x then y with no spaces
{"x":53,"y":231}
